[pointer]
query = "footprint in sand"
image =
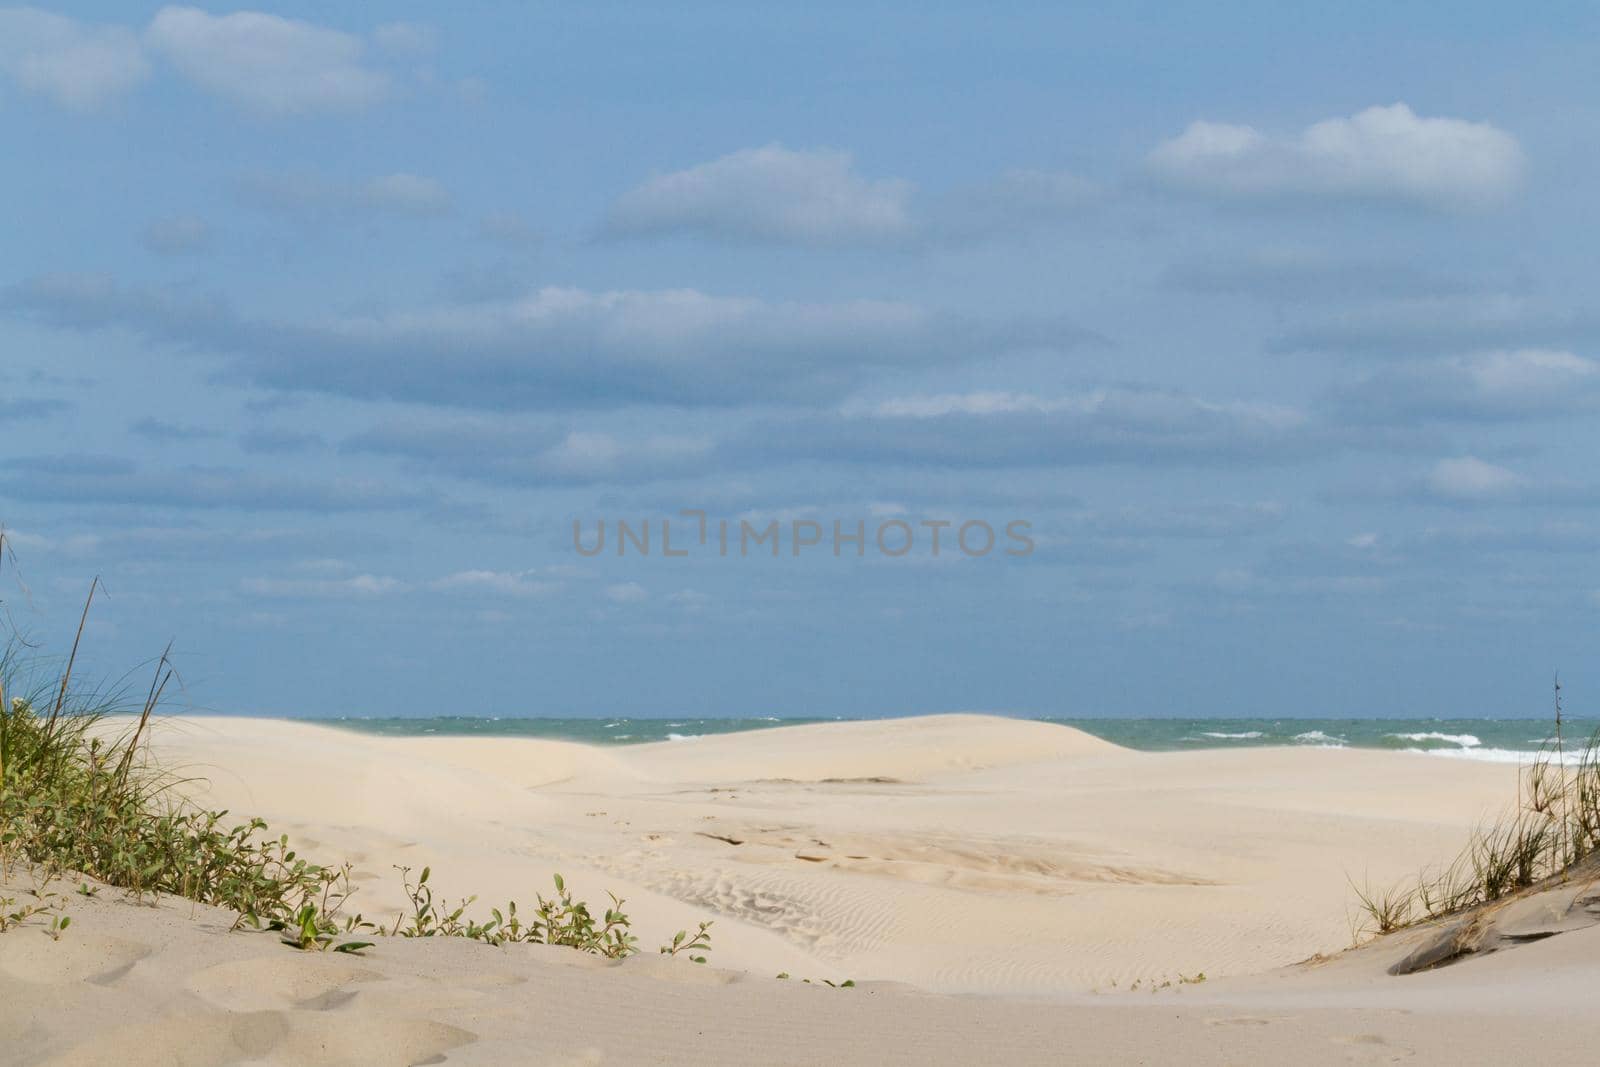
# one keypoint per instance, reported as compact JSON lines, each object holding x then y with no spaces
{"x":1373,"y":1048}
{"x":97,"y":958}
{"x":341,"y":1039}
{"x":312,"y":1038}
{"x":272,"y":983}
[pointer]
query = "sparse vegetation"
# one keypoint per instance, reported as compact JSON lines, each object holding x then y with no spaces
{"x":1554,"y":827}
{"x":848,"y":983}
{"x":558,"y":920}
{"x":1153,"y":985}
{"x":44,"y":904}
{"x":682,"y":942}
{"x":79,"y":794}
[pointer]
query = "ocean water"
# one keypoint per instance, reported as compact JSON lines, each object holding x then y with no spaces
{"x":1496,"y":740}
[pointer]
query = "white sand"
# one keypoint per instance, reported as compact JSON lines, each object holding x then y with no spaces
{"x":1028,"y":862}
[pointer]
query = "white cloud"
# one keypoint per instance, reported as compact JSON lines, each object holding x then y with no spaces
{"x":817,"y":198}
{"x":15,"y":539}
{"x":77,"y":65}
{"x":323,"y":565}
{"x":265,"y":63}
{"x":405,"y":38}
{"x":357,"y":587}
{"x":1440,"y":325}
{"x":1116,"y":402}
{"x":1106,"y":424}
{"x":558,"y":347}
{"x":1379,"y":153}
{"x":407,"y":193}
{"x":511,"y":451}
{"x":770,"y":193}
{"x":1467,"y":481}
{"x":268,"y":64}
{"x":109,"y":479}
{"x":501,"y":583}
{"x":1468,"y":478}
{"x":589,"y":456}
{"x":1530,"y":374}
{"x":1511,"y":384}
{"x":626,"y":593}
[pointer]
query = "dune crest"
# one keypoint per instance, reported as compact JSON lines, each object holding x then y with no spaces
{"x":923,"y":746}
{"x":955,"y":853}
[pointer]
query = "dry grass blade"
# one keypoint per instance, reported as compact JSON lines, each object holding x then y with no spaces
{"x":76,"y":796}
{"x":66,"y":676}
{"x":1554,"y":827}
{"x":158,"y":686}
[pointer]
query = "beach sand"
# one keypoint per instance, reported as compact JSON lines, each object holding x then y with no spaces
{"x":1001,"y":891}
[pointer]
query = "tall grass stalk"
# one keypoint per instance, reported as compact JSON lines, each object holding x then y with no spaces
{"x":1554,"y":828}
{"x":79,"y":795}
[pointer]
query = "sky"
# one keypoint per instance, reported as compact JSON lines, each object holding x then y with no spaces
{"x":322,"y":326}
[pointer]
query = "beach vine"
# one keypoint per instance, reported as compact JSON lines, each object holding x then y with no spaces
{"x":80,"y":795}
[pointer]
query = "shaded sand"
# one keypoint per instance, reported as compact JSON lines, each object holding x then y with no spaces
{"x":923,"y":858}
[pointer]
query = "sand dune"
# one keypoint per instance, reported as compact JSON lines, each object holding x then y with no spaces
{"x":922,"y":747}
{"x":923,"y":858}
{"x":958,"y":853}
{"x":142,"y":985}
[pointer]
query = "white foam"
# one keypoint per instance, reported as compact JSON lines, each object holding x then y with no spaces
{"x":1464,"y":740}
{"x":1247,"y":734}
{"x":684,"y":737}
{"x":1317,"y":737}
{"x":1499,"y":755}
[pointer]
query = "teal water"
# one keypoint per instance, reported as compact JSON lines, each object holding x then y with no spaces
{"x":1501,"y":740}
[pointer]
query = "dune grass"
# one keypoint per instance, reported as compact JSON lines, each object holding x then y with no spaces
{"x":1552,"y":830}
{"x":80,"y":796}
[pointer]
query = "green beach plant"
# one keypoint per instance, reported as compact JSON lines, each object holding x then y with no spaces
{"x":682,"y":942}
{"x":14,"y":912}
{"x":76,"y":796}
{"x":309,"y":932}
{"x":557,"y":920}
{"x":79,"y":794}
{"x":1552,"y":830}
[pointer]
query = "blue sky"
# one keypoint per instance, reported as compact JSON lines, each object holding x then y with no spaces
{"x":321,"y":325}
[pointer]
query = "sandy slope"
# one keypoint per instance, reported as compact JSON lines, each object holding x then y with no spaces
{"x":955,"y":853}
{"x":139,"y":985}
{"x":942,"y":855}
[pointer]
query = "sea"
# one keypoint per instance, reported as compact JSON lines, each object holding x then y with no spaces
{"x":1493,"y":740}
